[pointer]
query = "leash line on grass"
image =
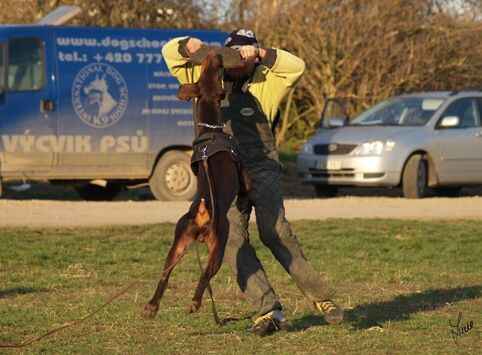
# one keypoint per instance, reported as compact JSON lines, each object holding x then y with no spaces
{"x":109,"y":301}
{"x":71,"y":324}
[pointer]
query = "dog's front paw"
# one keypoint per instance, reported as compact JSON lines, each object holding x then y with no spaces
{"x":149,"y":311}
{"x":192,"y":307}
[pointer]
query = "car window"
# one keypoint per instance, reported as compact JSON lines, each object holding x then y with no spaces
{"x":478,"y":120}
{"x":334,"y":108}
{"x":466,"y":110}
{"x":400,"y":111}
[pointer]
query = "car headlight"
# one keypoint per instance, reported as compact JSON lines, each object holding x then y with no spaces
{"x":375,"y":147}
{"x":307,"y":148}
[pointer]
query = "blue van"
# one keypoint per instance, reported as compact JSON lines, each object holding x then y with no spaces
{"x":95,"y":108}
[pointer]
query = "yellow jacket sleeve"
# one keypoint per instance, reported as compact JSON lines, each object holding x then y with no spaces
{"x":271,"y":85}
{"x":180,"y":67}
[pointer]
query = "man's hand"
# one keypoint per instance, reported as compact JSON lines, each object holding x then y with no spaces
{"x":192,"y":45}
{"x":250,"y":52}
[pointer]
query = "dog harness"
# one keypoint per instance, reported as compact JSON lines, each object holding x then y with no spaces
{"x":211,"y":143}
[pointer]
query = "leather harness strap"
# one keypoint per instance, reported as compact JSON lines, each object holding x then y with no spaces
{"x":211,"y":143}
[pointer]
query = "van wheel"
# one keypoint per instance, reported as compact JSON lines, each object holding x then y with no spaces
{"x":326,"y":190}
{"x":173,"y":179}
{"x":414,"y":179}
{"x":93,"y":192}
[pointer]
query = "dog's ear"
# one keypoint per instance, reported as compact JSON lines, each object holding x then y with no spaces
{"x":187,"y":91}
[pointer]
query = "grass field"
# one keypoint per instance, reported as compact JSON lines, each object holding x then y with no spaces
{"x":406,"y":287}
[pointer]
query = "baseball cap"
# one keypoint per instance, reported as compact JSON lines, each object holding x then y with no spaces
{"x":241,"y":37}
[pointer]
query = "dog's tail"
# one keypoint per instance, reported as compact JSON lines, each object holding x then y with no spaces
{"x":202,"y":216}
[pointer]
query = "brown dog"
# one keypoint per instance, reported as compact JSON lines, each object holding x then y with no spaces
{"x":219,"y":179}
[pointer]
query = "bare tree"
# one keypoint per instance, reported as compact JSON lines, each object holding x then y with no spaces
{"x":365,"y":51}
{"x":115,"y":13}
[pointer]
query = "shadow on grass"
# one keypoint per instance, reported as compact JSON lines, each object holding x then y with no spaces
{"x":374,"y":314}
{"x":369,"y":315}
{"x":17,"y":291}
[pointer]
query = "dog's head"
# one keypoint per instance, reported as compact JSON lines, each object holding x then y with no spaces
{"x":209,"y":86}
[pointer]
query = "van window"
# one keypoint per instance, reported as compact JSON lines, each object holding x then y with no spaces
{"x":26,"y":65}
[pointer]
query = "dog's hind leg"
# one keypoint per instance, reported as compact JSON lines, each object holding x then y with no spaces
{"x":216,"y":243}
{"x":186,"y":234}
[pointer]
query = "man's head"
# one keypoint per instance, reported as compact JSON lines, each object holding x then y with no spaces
{"x":237,"y":39}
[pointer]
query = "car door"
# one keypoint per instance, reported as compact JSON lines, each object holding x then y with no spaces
{"x":334,"y":108}
{"x":27,"y":113}
{"x":460,"y":147}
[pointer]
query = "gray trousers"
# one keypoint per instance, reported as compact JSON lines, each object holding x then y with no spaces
{"x":275,"y":233}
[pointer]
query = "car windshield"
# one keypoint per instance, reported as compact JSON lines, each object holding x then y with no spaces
{"x":399,"y":111}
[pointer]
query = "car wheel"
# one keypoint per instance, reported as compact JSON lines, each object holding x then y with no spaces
{"x":447,"y":191}
{"x":414,"y":179}
{"x":173,"y":179}
{"x":326,"y":190}
{"x":93,"y":192}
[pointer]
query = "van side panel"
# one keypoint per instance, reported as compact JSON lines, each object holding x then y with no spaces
{"x":114,"y":105}
{"x":102,"y":88}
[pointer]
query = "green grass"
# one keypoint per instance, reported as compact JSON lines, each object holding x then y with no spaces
{"x":401,"y":283}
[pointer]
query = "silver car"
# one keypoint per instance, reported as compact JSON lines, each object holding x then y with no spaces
{"x":413,"y":141}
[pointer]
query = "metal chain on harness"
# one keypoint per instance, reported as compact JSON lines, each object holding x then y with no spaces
{"x":213,"y":126}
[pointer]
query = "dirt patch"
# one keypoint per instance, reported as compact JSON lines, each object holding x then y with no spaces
{"x":33,"y":213}
{"x":47,"y":205}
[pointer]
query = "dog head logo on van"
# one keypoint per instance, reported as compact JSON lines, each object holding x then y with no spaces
{"x":99,"y":95}
{"x":247,"y":111}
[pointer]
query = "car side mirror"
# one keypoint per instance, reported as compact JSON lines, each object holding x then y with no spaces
{"x":335,"y":122}
{"x":449,"y":121}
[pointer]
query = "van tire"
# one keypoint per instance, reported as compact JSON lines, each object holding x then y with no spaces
{"x":414,"y":179}
{"x":93,"y":192}
{"x":172,"y":178}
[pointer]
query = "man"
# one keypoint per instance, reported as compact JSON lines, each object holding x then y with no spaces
{"x":254,"y":93}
